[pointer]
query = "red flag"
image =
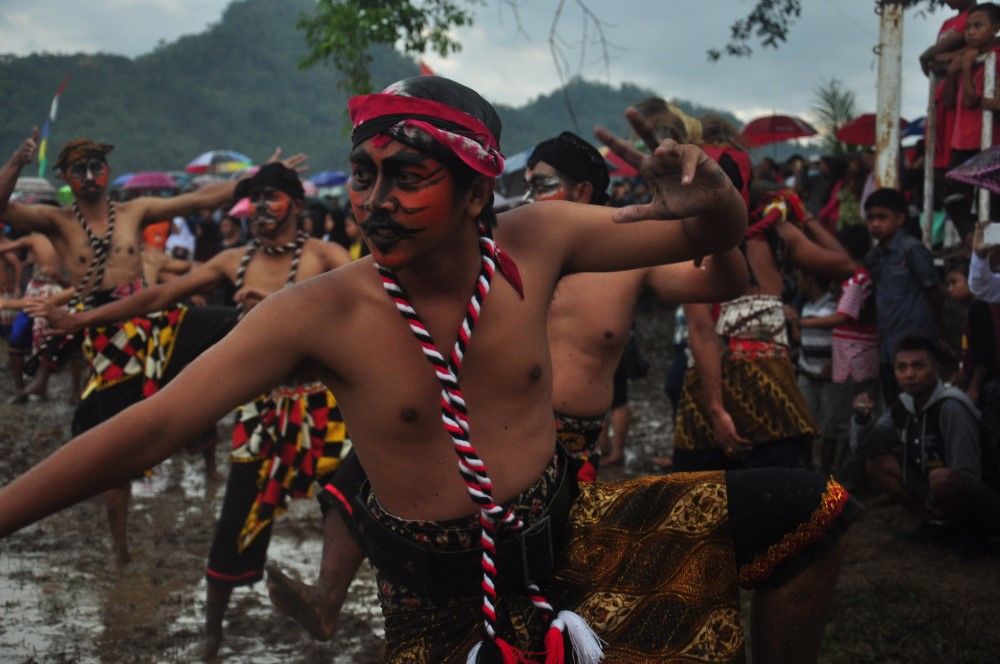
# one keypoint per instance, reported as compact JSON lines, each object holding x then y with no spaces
{"x":425,"y":70}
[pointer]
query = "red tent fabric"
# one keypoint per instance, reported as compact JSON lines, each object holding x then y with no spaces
{"x":861,"y":130}
{"x":774,"y":129}
{"x":617,"y":167}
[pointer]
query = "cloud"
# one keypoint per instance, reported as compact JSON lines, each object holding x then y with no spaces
{"x":126,"y":27}
{"x":656,"y":44}
{"x":663,"y":46}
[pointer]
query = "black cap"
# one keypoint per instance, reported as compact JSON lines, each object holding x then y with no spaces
{"x":275,"y":175}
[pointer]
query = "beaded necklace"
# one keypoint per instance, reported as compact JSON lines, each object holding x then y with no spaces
{"x":296,"y":246}
{"x":94,"y":275}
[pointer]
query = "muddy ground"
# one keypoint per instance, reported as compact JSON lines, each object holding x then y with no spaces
{"x":62,"y":601}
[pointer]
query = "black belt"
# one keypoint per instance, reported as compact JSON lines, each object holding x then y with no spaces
{"x":527,"y":557}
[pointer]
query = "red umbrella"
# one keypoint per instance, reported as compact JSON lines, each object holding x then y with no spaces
{"x":774,"y":129}
{"x":861,"y":130}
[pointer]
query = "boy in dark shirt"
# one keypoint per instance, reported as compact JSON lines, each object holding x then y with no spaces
{"x":908,"y":292}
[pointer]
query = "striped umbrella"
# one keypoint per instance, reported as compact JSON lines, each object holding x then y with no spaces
{"x":219,"y":161}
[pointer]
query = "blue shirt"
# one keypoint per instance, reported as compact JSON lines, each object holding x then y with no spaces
{"x":902,"y":270}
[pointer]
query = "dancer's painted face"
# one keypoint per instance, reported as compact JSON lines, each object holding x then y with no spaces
{"x":400,"y":197}
{"x":87,"y":178}
{"x":544,"y":184}
{"x":272,"y":209}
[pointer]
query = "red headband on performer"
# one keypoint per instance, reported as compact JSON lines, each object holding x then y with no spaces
{"x":419,"y":122}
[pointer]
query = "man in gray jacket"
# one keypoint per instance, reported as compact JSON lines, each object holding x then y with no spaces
{"x":925,"y":449}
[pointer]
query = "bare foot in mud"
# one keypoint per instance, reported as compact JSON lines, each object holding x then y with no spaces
{"x":303,"y":603}
{"x":208,"y":649}
{"x":610,"y":461}
{"x":662,"y":464}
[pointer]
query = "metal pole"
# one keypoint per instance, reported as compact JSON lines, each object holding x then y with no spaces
{"x":890,"y":60}
{"x":930,"y":152}
{"x":986,"y":142}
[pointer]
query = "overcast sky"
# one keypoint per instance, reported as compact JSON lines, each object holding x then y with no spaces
{"x":659,"y":44}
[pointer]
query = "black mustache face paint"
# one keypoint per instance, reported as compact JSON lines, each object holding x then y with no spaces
{"x":90,"y":189}
{"x":383,"y":231}
{"x":264,"y":221}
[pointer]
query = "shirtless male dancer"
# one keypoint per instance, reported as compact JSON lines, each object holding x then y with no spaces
{"x":98,"y":244}
{"x":589,"y":321}
{"x":650,"y":565}
{"x":27,"y":335}
{"x":265,"y":436}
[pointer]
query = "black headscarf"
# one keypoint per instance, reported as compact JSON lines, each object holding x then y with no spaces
{"x":275,"y":175}
{"x":576,"y":159}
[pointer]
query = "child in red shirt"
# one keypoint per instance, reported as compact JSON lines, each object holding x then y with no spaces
{"x":981,"y":27}
{"x":950,"y":41}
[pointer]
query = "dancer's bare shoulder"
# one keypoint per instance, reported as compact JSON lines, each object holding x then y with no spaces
{"x":328,"y":314}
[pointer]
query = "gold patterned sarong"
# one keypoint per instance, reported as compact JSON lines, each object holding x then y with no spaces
{"x":649,"y":563}
{"x":759,"y":392}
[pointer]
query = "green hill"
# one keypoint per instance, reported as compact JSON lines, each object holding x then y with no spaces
{"x":237,"y":85}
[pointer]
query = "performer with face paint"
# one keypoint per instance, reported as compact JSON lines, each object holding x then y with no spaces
{"x":98,"y":244}
{"x":589,"y":320}
{"x":283,"y":439}
{"x":591,"y":315}
{"x":436,"y":346}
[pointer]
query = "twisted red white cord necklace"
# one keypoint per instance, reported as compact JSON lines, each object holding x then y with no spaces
{"x":454,"y":417}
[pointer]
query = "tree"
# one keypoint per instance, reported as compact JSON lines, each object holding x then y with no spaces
{"x":345,"y":30}
{"x":835,"y":107}
{"x":770,"y":21}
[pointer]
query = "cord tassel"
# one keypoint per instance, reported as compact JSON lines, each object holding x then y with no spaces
{"x":473,"y":657}
{"x":588,"y":647}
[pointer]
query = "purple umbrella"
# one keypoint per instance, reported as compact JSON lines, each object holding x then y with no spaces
{"x":329,"y":178}
{"x":150,"y":180}
{"x":983,"y":170}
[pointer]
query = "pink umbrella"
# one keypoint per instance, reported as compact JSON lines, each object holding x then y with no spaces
{"x":982,"y":170}
{"x":150,"y":180}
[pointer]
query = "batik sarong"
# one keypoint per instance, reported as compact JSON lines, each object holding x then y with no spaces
{"x":579,"y":437}
{"x":7,"y":315}
{"x":282,"y":442}
{"x":759,"y":387}
{"x":759,"y":391}
{"x":133,"y":360}
{"x":42,"y":286}
{"x":299,"y":433}
{"x":654,"y":565}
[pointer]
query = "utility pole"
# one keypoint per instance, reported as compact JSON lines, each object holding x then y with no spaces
{"x":890,"y":56}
